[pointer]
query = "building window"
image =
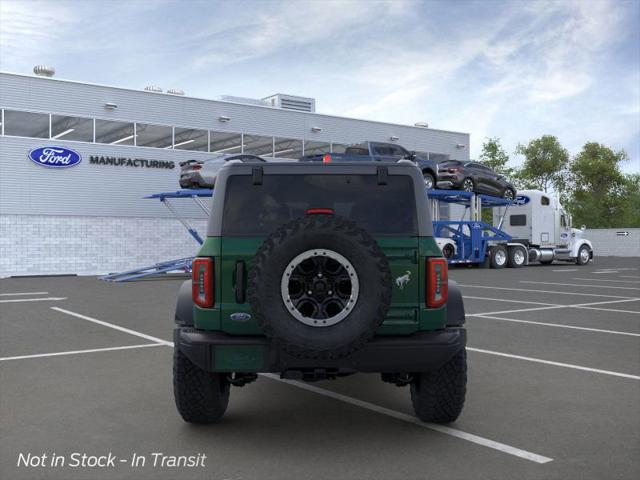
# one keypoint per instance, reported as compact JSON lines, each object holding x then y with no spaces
{"x":114,"y":133}
{"x":518,"y":220}
{"x":224,"y":142}
{"x":287,"y":148}
{"x":316,"y":148}
{"x":157,"y":136}
{"x":71,"y":128}
{"x":26,"y":124}
{"x":258,"y":145}
{"x":191,"y":139}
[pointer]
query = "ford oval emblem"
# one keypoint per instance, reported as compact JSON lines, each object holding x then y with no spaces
{"x":240,"y":317}
{"x":521,"y":200}
{"x":55,"y":157}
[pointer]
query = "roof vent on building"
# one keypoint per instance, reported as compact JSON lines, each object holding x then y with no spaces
{"x":153,"y":88}
{"x":175,"y":91}
{"x":44,"y":71}
{"x":292,"y":102}
{"x":421,"y":124}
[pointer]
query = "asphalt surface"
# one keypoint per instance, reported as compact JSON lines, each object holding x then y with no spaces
{"x":559,"y":400}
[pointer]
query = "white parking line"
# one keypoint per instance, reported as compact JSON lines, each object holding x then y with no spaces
{"x":580,"y":285}
{"x":544,"y":291}
{"x":629,"y":276}
{"x":75,"y":352}
{"x":566,"y":270}
{"x":606,"y":280}
{"x":115,"y":327}
{"x":557,"y":364}
{"x":588,"y":306}
{"x":23,"y":293}
{"x":611,"y":310}
{"x":533,"y":457}
{"x":466,"y":297}
{"x":559,"y":325}
{"x":47,"y":299}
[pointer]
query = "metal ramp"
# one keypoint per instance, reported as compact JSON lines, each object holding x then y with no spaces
{"x":472,"y":237}
{"x":179,"y":264}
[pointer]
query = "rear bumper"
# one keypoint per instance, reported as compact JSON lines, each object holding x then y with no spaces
{"x":420,"y":352}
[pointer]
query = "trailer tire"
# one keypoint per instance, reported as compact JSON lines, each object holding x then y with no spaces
{"x":498,"y":256}
{"x":517,"y":257}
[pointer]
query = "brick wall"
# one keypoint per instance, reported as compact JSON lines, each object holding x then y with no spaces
{"x":42,"y":245}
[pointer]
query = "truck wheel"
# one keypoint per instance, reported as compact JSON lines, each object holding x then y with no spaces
{"x":201,"y":396}
{"x":468,"y":185}
{"x":438,"y":397}
{"x":429,"y":181}
{"x":448,"y":251}
{"x":509,"y":194}
{"x":498,"y":256}
{"x":584,"y":255}
{"x":517,"y":257}
{"x":320,"y":287}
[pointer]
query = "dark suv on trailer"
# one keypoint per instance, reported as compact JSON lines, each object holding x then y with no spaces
{"x":474,"y":177}
{"x":315,"y":272}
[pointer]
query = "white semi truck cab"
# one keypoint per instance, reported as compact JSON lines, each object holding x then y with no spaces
{"x":539,"y":223}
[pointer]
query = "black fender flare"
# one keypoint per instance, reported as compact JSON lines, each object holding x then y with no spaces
{"x":184,"y":306}
{"x":455,"y":306}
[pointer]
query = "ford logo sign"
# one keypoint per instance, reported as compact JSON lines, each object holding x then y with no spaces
{"x":55,"y":157}
{"x":521,"y":200}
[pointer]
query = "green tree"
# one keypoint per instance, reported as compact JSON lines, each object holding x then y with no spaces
{"x":495,"y":157}
{"x":599,"y":194}
{"x":630,"y":216}
{"x":545,"y":164}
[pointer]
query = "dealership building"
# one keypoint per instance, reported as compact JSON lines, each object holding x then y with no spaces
{"x":91,"y":217}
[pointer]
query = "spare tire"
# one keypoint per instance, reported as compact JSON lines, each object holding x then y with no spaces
{"x":320,"y":286}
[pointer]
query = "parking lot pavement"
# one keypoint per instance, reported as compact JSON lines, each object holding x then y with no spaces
{"x":554,"y":387}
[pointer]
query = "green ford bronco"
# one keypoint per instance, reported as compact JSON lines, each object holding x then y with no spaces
{"x":316,"y":272}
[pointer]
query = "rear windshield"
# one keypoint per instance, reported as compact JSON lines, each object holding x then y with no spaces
{"x":257,"y":210}
{"x":450,"y":163}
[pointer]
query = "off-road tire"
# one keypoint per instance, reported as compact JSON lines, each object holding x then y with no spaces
{"x":201,"y":396}
{"x":320,"y":232}
{"x":494,"y":256}
{"x":438,"y":397}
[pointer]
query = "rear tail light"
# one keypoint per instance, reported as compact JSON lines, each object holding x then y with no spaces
{"x":453,"y":170}
{"x":202,"y":282}
{"x":437,"y":287}
{"x":326,"y":158}
{"x":319,"y":211}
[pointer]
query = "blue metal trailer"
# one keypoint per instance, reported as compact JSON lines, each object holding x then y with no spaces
{"x":474,"y":240}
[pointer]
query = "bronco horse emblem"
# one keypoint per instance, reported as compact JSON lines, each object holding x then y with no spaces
{"x":403,"y":280}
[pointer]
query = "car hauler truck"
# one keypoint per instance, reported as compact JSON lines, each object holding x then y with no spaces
{"x":539,"y":222}
{"x":532,"y":228}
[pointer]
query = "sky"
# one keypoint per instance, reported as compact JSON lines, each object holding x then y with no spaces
{"x":509,"y":69}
